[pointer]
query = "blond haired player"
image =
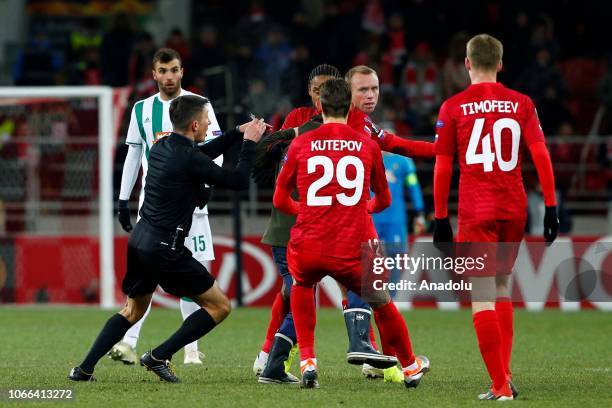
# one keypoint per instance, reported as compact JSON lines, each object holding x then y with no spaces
{"x":487,"y":126}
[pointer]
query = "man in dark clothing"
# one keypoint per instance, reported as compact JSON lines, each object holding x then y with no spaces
{"x":175,"y":184}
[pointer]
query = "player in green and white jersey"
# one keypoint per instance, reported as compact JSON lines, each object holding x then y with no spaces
{"x":150,"y":121}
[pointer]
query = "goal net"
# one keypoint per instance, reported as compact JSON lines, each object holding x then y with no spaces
{"x":56,"y":195}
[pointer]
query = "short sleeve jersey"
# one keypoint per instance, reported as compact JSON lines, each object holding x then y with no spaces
{"x":486,"y":126}
{"x":150,"y":120}
{"x":333,"y":167}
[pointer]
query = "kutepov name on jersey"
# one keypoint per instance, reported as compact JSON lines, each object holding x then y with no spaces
{"x":407,"y":285}
{"x":336,"y":145}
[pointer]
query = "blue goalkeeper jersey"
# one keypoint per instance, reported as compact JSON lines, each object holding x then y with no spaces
{"x":400,"y":172}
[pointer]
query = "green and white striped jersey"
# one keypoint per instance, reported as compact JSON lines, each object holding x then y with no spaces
{"x":150,"y":120}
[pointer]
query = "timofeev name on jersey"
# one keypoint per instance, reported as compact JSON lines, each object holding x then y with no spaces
{"x":488,"y":106}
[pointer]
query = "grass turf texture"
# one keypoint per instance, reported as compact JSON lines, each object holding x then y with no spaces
{"x":560,"y":359}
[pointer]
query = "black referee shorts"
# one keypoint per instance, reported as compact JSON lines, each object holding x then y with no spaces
{"x":151,"y":262}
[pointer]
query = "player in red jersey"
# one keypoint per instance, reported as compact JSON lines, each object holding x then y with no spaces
{"x":280,"y":334}
{"x":332,"y":167}
{"x":298,"y":116}
{"x":365,"y":90}
{"x":486,"y":126}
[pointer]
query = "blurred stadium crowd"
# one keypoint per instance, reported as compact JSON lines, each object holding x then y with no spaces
{"x":555,"y":51}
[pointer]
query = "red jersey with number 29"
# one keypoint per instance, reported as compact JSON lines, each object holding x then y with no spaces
{"x":487,"y":125}
{"x":333,"y":168}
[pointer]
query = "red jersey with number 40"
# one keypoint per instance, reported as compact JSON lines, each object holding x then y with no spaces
{"x":333,"y":168}
{"x":486,"y":125}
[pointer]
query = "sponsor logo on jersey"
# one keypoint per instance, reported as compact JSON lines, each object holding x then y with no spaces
{"x":147,"y":120}
{"x":439,"y":124}
{"x":159,"y":135}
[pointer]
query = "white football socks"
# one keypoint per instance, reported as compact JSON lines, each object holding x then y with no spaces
{"x":411,"y":367}
{"x":131,"y":336}
{"x":187,"y":308}
{"x":310,"y":364}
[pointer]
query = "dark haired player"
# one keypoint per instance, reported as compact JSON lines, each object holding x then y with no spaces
{"x":179,"y":171}
{"x":487,"y":126}
{"x":273,"y":361}
{"x":365,"y":90}
{"x":280,"y":328}
{"x":298,"y":116}
{"x":150,"y":120}
{"x":332,"y":168}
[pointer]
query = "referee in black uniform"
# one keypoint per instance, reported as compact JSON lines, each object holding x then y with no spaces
{"x":179,"y":171}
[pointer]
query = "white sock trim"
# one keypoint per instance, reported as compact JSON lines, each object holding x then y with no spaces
{"x":282,"y":336}
{"x":412,"y":366}
{"x":368,"y":311}
{"x":307,"y":362}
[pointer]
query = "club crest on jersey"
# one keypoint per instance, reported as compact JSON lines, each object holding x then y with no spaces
{"x":439,"y":124}
{"x":159,"y":135}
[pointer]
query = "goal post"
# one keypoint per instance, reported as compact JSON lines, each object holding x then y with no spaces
{"x":104,"y":96}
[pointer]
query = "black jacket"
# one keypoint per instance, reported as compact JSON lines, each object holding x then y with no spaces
{"x":178,"y":171}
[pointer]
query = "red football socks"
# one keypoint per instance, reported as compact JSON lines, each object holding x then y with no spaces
{"x":394,"y":334}
{"x":489,"y":343}
{"x":304,"y":318}
{"x":503,"y":308}
{"x":387,"y":348}
{"x":276,"y":319}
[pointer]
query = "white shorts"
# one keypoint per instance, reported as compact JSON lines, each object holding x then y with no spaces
{"x":199,"y":241}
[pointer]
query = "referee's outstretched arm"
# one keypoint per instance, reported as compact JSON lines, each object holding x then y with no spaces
{"x":206,"y":171}
{"x":221,"y":144}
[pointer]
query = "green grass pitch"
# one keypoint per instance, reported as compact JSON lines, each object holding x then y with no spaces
{"x":560,"y":359}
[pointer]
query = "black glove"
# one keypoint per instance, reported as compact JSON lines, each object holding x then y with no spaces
{"x":551,"y":224}
{"x":124,"y":215}
{"x":443,"y":233}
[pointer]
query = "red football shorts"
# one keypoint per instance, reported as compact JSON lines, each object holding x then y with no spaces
{"x":500,"y":240}
{"x":308,"y":269}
